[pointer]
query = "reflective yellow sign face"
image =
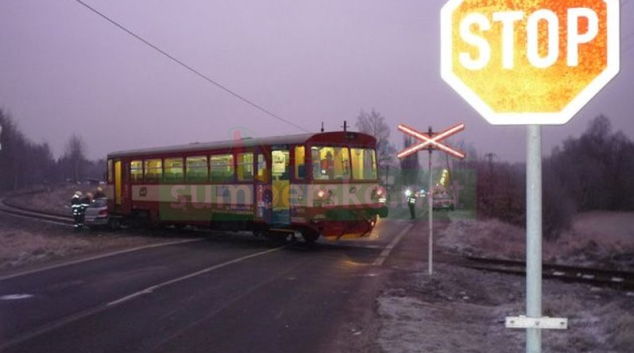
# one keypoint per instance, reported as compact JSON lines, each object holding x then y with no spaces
{"x":529,"y":61}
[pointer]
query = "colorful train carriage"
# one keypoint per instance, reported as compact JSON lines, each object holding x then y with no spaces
{"x":322,"y":184}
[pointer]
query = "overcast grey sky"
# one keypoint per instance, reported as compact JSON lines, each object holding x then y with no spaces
{"x":64,"y":70}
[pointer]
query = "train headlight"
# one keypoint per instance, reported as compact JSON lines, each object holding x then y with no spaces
{"x":378,"y":193}
{"x":321,"y":194}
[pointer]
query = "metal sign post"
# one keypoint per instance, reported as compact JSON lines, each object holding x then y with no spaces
{"x":533,"y":234}
{"x":431,"y":141}
{"x":430,"y":210}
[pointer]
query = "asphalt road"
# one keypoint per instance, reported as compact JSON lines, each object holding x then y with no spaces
{"x":217,"y":294}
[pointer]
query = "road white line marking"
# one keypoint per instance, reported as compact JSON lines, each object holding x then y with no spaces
{"x":97,"y":257}
{"x":151,"y":289}
{"x":15,"y":296}
{"x":386,"y":252}
{"x":103,"y":307}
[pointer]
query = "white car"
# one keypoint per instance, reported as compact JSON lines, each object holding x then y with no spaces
{"x":97,"y":213}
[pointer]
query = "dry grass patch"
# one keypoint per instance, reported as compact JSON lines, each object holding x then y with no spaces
{"x":20,"y":247}
{"x":596,"y":239}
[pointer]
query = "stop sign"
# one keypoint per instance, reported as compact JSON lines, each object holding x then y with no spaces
{"x":529,"y":61}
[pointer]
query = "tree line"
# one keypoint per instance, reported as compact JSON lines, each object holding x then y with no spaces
{"x":24,"y":163}
{"x":592,"y":172}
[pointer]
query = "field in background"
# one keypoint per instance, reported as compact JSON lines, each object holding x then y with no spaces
{"x":55,"y":200}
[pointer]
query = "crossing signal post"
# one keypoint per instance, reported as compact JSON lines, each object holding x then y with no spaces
{"x":431,"y":141}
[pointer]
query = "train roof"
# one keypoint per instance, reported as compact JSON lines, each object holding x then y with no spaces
{"x":245,"y":143}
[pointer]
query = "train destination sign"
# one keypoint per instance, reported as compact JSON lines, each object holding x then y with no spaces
{"x":529,"y":61}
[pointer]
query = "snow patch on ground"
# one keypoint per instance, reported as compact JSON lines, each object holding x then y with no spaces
{"x":463,"y":310}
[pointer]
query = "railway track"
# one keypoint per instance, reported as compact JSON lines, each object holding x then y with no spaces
{"x":595,"y":276}
{"x":19,"y":211}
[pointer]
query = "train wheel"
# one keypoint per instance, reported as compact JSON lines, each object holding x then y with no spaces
{"x":180,"y":228}
{"x":261,"y":233}
{"x":310,"y":236}
{"x":114,"y":223}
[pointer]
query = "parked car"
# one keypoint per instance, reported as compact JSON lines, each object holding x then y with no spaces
{"x":97,"y":213}
{"x":442,"y":202}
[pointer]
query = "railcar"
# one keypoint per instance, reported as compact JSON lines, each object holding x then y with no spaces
{"x":318,"y":184}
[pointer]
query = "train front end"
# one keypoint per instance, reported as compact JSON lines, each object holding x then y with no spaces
{"x":344,"y":198}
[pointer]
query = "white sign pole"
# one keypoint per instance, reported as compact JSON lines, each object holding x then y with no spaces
{"x":534,"y":235}
{"x":431,"y":218}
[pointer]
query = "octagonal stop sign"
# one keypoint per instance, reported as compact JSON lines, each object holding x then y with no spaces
{"x":529,"y":61}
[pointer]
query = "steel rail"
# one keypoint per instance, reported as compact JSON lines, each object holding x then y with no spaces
{"x":580,"y":274}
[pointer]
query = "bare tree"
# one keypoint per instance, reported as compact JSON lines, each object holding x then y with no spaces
{"x":374,"y":124}
{"x":12,"y":146}
{"x":409,"y":165}
{"x":22,"y":162}
{"x":74,"y":159}
{"x":596,"y":168}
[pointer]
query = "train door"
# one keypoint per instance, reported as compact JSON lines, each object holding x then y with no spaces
{"x":118,"y":192}
{"x":280,"y":186}
{"x":263,"y":195}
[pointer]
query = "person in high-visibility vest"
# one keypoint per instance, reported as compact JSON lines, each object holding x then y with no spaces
{"x":411,"y":203}
{"x":76,"y":208}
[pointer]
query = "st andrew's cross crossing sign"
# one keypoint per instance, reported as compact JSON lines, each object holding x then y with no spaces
{"x":431,"y":141}
{"x":529,"y":61}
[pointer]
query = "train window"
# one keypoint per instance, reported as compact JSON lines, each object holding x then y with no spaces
{"x":110,"y":171}
{"x":280,"y":166}
{"x":173,"y":170}
{"x":221,"y":168}
{"x":197,"y":169}
{"x":153,"y":169}
{"x":245,"y":166}
{"x":136,"y":171}
{"x":330,"y":163}
{"x":300,"y":162}
{"x":363,"y":164}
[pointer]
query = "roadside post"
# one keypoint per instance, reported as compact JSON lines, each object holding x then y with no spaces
{"x":530,"y":62}
{"x":430,"y":141}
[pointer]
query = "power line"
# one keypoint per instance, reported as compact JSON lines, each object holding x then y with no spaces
{"x":196,"y":72}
